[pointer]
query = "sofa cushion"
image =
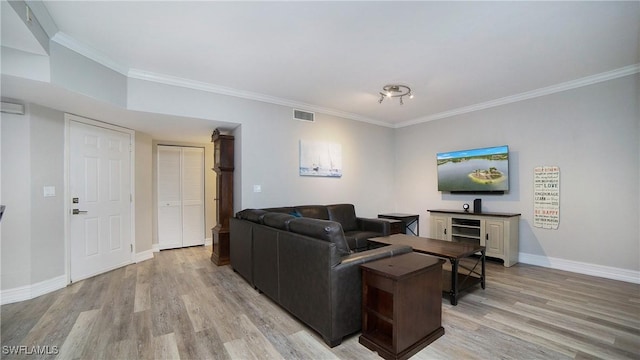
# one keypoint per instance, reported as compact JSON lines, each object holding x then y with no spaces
{"x":283,"y":209}
{"x":253,"y":215}
{"x":313,"y":211}
{"x":359,"y":240}
{"x":277,"y":220}
{"x":345,"y":214}
{"x":330,"y":231}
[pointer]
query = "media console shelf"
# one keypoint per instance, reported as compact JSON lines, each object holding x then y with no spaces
{"x":498,"y":232}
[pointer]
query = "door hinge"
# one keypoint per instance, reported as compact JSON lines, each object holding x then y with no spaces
{"x":130,"y":197}
{"x":131,"y":246}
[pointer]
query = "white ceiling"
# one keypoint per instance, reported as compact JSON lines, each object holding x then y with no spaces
{"x":337,"y":55}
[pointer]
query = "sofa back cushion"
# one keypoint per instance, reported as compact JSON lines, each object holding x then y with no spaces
{"x":313,"y":211}
{"x":329,"y":231}
{"x":283,"y":209}
{"x":277,"y":220}
{"x":253,"y":215}
{"x":345,"y":214}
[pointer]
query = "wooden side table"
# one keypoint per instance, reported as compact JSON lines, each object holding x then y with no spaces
{"x":401,"y":304}
{"x":407,"y":219}
{"x":396,"y":226}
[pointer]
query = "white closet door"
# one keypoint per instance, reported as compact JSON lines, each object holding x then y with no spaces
{"x":193,"y":196}
{"x":169,"y":197}
{"x":180,"y":196}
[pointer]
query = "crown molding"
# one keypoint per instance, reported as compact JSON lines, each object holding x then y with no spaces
{"x":222,"y":90}
{"x":91,"y":53}
{"x":72,"y":44}
{"x":569,"y":85}
{"x":88,"y":52}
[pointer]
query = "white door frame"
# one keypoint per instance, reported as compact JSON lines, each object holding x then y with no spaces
{"x":67,"y":191}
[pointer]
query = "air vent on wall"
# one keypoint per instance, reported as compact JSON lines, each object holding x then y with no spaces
{"x":303,"y":115}
{"x":11,"y":108}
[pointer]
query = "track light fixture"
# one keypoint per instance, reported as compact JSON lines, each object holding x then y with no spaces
{"x":390,"y":91}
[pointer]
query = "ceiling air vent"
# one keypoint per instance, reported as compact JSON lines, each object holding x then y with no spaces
{"x":303,"y":115}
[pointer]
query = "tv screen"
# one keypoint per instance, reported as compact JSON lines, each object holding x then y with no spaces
{"x":474,"y":170}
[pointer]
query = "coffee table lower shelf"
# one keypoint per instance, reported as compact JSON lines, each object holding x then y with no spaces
{"x":465,"y":281}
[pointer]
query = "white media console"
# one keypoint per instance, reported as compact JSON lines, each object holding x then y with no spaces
{"x":498,"y":232}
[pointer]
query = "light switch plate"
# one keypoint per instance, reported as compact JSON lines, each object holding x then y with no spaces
{"x":257,"y":188}
{"x":49,"y":191}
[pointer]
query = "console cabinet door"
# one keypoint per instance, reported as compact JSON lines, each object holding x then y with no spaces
{"x":440,"y":227}
{"x":494,"y":238}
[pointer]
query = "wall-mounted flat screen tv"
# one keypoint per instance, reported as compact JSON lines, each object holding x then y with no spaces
{"x":474,"y":170}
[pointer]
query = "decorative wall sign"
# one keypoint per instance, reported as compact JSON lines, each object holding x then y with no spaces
{"x":320,"y":159}
{"x":546,"y":197}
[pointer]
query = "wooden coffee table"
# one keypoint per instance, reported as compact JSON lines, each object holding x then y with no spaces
{"x":453,"y":282}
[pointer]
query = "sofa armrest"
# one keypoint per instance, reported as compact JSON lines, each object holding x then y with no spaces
{"x":374,"y":254}
{"x":375,"y":225}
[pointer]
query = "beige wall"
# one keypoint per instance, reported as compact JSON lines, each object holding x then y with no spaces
{"x":144,"y":192}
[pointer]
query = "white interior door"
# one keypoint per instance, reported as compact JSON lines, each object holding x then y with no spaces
{"x":100,"y":179}
{"x":180,"y":196}
{"x":169,"y":197}
{"x":193,"y":196}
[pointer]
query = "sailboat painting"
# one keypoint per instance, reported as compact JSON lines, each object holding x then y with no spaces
{"x":320,"y":159}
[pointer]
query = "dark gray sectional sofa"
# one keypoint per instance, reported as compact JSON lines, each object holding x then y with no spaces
{"x":300,"y":258}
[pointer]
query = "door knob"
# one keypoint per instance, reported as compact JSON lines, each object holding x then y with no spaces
{"x":78,"y":211}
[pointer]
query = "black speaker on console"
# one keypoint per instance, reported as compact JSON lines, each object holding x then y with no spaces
{"x":477,"y":205}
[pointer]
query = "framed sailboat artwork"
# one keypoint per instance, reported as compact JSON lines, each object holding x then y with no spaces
{"x":319,"y":158}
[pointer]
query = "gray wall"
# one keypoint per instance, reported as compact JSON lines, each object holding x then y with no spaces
{"x":47,"y":217}
{"x":70,"y":70}
{"x":267,"y":149}
{"x":33,"y":244}
{"x":16,"y":195}
{"x":270,"y":158}
{"x":384,"y":169}
{"x":591,"y":133}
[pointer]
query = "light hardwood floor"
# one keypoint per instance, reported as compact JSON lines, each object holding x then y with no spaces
{"x":180,"y":305}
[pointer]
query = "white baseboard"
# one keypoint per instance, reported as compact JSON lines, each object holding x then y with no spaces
{"x":144,"y":255}
{"x":157,"y":248}
{"x":32,"y":291}
{"x":581,"y":267}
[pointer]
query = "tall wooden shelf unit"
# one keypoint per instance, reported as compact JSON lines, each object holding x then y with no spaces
{"x":498,"y":232}
{"x":223,"y":166}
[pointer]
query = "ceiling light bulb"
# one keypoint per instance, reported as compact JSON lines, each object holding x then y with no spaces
{"x":410,"y":96}
{"x":388,"y":93}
